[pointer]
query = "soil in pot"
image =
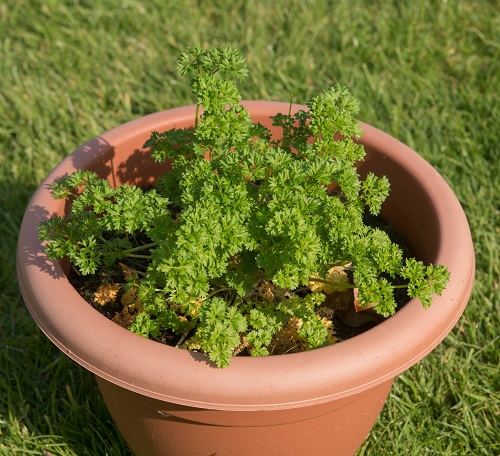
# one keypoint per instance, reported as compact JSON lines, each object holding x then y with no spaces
{"x":105,"y":291}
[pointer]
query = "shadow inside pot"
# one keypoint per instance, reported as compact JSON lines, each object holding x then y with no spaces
{"x":131,"y":171}
{"x":117,"y":165}
{"x":34,"y":252}
{"x":97,"y":151}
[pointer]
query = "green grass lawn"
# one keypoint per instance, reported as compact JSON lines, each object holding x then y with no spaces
{"x":427,"y":72}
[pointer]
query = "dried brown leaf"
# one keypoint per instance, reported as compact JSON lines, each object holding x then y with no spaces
{"x":106,"y":293}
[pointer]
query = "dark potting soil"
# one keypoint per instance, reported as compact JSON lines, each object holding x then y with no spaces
{"x":346,"y":321}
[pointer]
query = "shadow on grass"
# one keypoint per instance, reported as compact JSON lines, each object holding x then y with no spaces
{"x":48,"y":404}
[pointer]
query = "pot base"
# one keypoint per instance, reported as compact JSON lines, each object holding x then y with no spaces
{"x":156,"y":428}
{"x":422,"y":208}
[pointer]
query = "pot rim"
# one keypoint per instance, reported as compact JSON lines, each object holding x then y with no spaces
{"x":268,"y":383}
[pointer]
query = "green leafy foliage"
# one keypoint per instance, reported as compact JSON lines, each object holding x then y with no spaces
{"x":425,"y":280}
{"x":219,"y":329}
{"x":241,"y":221}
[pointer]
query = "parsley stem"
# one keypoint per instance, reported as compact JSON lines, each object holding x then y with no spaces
{"x":135,"y":255}
{"x":218,"y":290}
{"x":183,"y":338}
{"x":140,"y":247}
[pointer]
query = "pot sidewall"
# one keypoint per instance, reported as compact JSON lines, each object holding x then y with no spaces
{"x":421,"y":206}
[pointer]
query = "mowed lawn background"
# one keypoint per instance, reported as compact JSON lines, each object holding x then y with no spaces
{"x":426,"y":72}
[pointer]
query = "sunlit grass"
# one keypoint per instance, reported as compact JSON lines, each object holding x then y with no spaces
{"x":426,"y":72}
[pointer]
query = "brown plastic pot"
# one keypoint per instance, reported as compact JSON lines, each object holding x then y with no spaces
{"x":168,"y":401}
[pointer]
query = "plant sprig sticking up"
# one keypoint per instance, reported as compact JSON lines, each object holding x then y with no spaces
{"x":242,"y":222}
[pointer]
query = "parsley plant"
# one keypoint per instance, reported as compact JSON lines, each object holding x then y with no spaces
{"x":227,"y":242}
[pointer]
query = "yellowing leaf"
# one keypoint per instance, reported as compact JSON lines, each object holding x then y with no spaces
{"x":192,"y":344}
{"x":331,"y":336}
{"x":336,"y":274}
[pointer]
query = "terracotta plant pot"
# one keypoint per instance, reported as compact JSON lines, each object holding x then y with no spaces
{"x":169,"y":401}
